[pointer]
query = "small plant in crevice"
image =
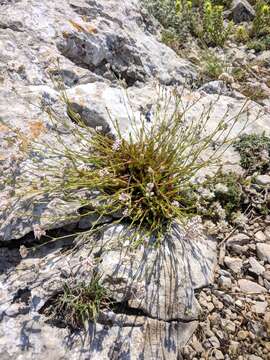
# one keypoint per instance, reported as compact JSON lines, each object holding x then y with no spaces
{"x":211,"y":66}
{"x":144,"y":178}
{"x":241,"y":34}
{"x":78,"y":304}
{"x":254,"y":150}
{"x":259,"y":45}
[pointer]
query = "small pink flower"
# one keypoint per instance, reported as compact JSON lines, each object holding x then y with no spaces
{"x":117,"y":144}
{"x":38,"y":231}
{"x":175,"y":203}
{"x":124,"y":197}
{"x":103,"y":172}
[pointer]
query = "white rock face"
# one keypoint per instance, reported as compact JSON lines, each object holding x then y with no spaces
{"x":155,"y":287}
{"x":89,"y":46}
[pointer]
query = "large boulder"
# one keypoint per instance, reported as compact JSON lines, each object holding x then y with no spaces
{"x":154,"y":288}
{"x":242,"y":11}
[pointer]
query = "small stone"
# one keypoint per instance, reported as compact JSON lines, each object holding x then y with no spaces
{"x":212,"y":342}
{"x":259,"y":307}
{"x":250,"y":287}
{"x":263,"y":180}
{"x":267,"y":284}
{"x":225,"y":282}
{"x":196,"y":345}
{"x":255,"y":266}
{"x":266,"y":275}
{"x":243,"y":335}
{"x":230,"y":327}
{"x":254,"y":357}
{"x":218,"y":355}
{"x":215,"y":87}
{"x":263,"y":252}
{"x":234,"y":264}
{"x":238,"y":239}
{"x":259,"y":235}
{"x":267,"y":233}
{"x":239,"y":303}
{"x":239,"y":249}
{"x":233,"y":348}
{"x":267,"y":320}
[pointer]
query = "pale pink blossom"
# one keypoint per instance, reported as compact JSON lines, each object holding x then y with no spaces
{"x":38,"y":231}
{"x":116,"y":145}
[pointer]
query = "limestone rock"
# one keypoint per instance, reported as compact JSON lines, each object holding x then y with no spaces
{"x":263,"y":180}
{"x":248,"y":286}
{"x":242,"y":11}
{"x":263,"y":251}
{"x":234,"y":264}
{"x":159,"y":284}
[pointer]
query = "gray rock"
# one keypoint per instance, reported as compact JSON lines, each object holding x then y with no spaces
{"x":263,"y":180}
{"x":234,"y":264}
{"x":255,"y":266}
{"x":238,"y":239}
{"x":225,"y":282}
{"x":254,"y":357}
{"x":260,"y":236}
{"x":215,"y":87}
{"x":242,"y":11}
{"x":259,"y":307}
{"x":145,"y":279}
{"x":250,"y":287}
{"x":263,"y":252}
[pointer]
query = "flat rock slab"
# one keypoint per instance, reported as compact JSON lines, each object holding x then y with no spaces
{"x":158,"y":284}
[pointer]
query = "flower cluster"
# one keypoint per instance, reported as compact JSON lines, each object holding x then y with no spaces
{"x":117,"y":144}
{"x":149,"y":189}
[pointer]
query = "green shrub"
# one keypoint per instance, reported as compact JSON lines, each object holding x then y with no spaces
{"x":214,"y":32}
{"x":211,"y":66}
{"x":261,"y":23}
{"x":226,"y":190}
{"x":261,"y":44}
{"x":255,"y":152}
{"x":241,"y":34}
{"x":182,"y":18}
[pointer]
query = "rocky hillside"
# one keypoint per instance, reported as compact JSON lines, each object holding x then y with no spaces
{"x":153,"y":248}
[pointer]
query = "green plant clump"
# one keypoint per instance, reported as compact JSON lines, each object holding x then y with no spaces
{"x":255,"y":152}
{"x":260,"y":44}
{"x":261,"y":23}
{"x":211,"y":66}
{"x":214,"y":32}
{"x":181,"y":18}
{"x":144,"y":178}
{"x":78,"y":304}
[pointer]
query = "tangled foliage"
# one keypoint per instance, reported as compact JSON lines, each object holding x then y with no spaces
{"x":261,"y":23}
{"x":255,"y":152}
{"x":79,"y":303}
{"x":144,"y":178}
{"x":181,"y":18}
{"x":214,"y":31}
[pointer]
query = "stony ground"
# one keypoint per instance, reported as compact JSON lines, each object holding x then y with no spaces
{"x":226,"y":292}
{"x":235,"y":323}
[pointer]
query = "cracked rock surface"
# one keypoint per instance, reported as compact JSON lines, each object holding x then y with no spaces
{"x":90,"y":45}
{"x":158,"y":288}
